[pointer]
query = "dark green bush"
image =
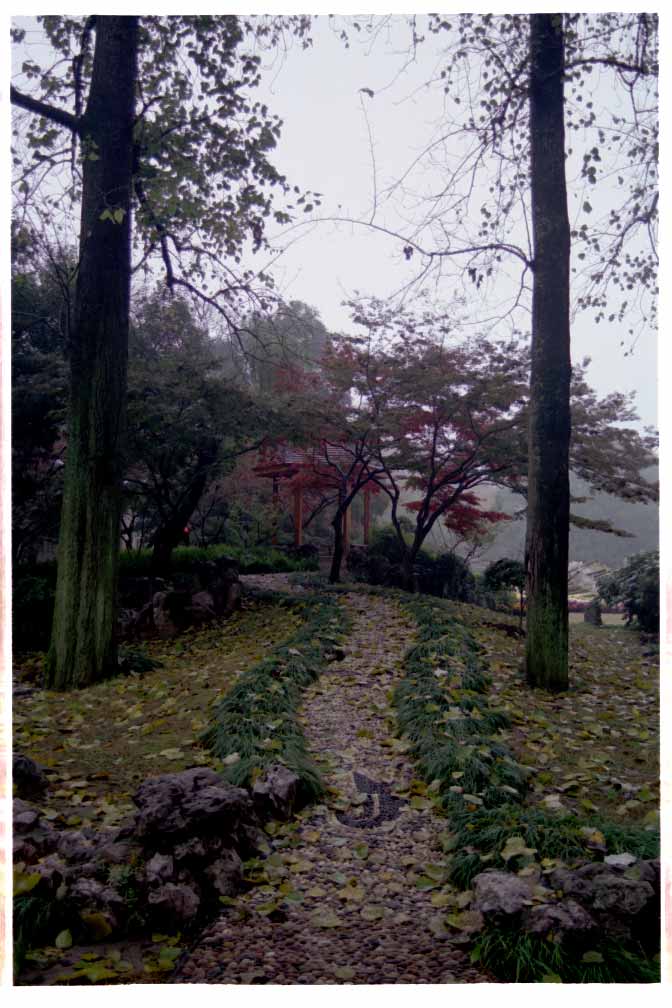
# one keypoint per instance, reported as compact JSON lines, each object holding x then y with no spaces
{"x":448,"y":576}
{"x":637,"y":587}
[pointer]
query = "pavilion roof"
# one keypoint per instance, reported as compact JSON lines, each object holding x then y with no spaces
{"x":288,"y":460}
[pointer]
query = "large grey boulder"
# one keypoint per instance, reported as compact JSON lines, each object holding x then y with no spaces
{"x":74,"y":846}
{"x":189,"y":851}
{"x":33,"y":835}
{"x":622,"y":896}
{"x":111,"y":852}
{"x":53,"y":870}
{"x":602,"y":886}
{"x":88,"y":892}
{"x":167,"y":610}
{"x":201,"y":609}
{"x":577,"y":883}
{"x":219,"y":578}
{"x":181,"y":805}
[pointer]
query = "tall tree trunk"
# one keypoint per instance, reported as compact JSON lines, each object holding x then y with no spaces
{"x":408,"y":581}
{"x":83,"y":647}
{"x":172,"y":531}
{"x":550,"y":427}
{"x":337,"y":555}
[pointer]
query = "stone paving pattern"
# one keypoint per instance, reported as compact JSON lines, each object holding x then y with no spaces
{"x":352,"y":911}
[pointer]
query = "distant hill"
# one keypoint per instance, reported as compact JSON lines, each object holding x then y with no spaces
{"x":589,"y":546}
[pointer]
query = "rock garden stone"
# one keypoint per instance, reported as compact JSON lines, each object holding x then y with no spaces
{"x":74,"y":846}
{"x":649,"y":871}
{"x":202,"y":608}
{"x":500,"y":894}
{"x":184,"y":804}
{"x":155,"y":606}
{"x":115,"y":853}
{"x":167,"y":610}
{"x":218,"y":807}
{"x":88,"y":892}
{"x":27,"y":777}
{"x":174,"y":904}
{"x":226,"y":873}
{"x":24,"y":817}
{"x":566,"y":918}
{"x":53,"y":871}
{"x":621,"y":896}
{"x":160,"y":868}
{"x":620,"y":860}
{"x":275,"y":794}
{"x":191,"y":850}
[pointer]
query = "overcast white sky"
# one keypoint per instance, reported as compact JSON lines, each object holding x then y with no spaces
{"x":327,"y":145}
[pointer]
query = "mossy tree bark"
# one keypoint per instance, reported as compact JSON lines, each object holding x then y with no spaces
{"x":550,"y":425}
{"x":83,"y":647}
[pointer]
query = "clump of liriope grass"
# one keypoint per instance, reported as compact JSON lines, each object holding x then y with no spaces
{"x":478,"y":836}
{"x":525,"y":958}
{"x":256,"y":724}
{"x":442,"y":709}
{"x":35,"y":918}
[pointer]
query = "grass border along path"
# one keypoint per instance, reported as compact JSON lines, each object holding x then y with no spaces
{"x":443,"y":710}
{"x":256,"y":724}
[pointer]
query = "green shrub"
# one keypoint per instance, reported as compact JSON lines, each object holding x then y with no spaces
{"x":637,"y":587}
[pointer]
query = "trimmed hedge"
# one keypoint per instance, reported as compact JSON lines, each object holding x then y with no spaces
{"x":249,"y":560}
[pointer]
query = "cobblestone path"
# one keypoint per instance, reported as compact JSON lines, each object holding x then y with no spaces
{"x":353,"y":891}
